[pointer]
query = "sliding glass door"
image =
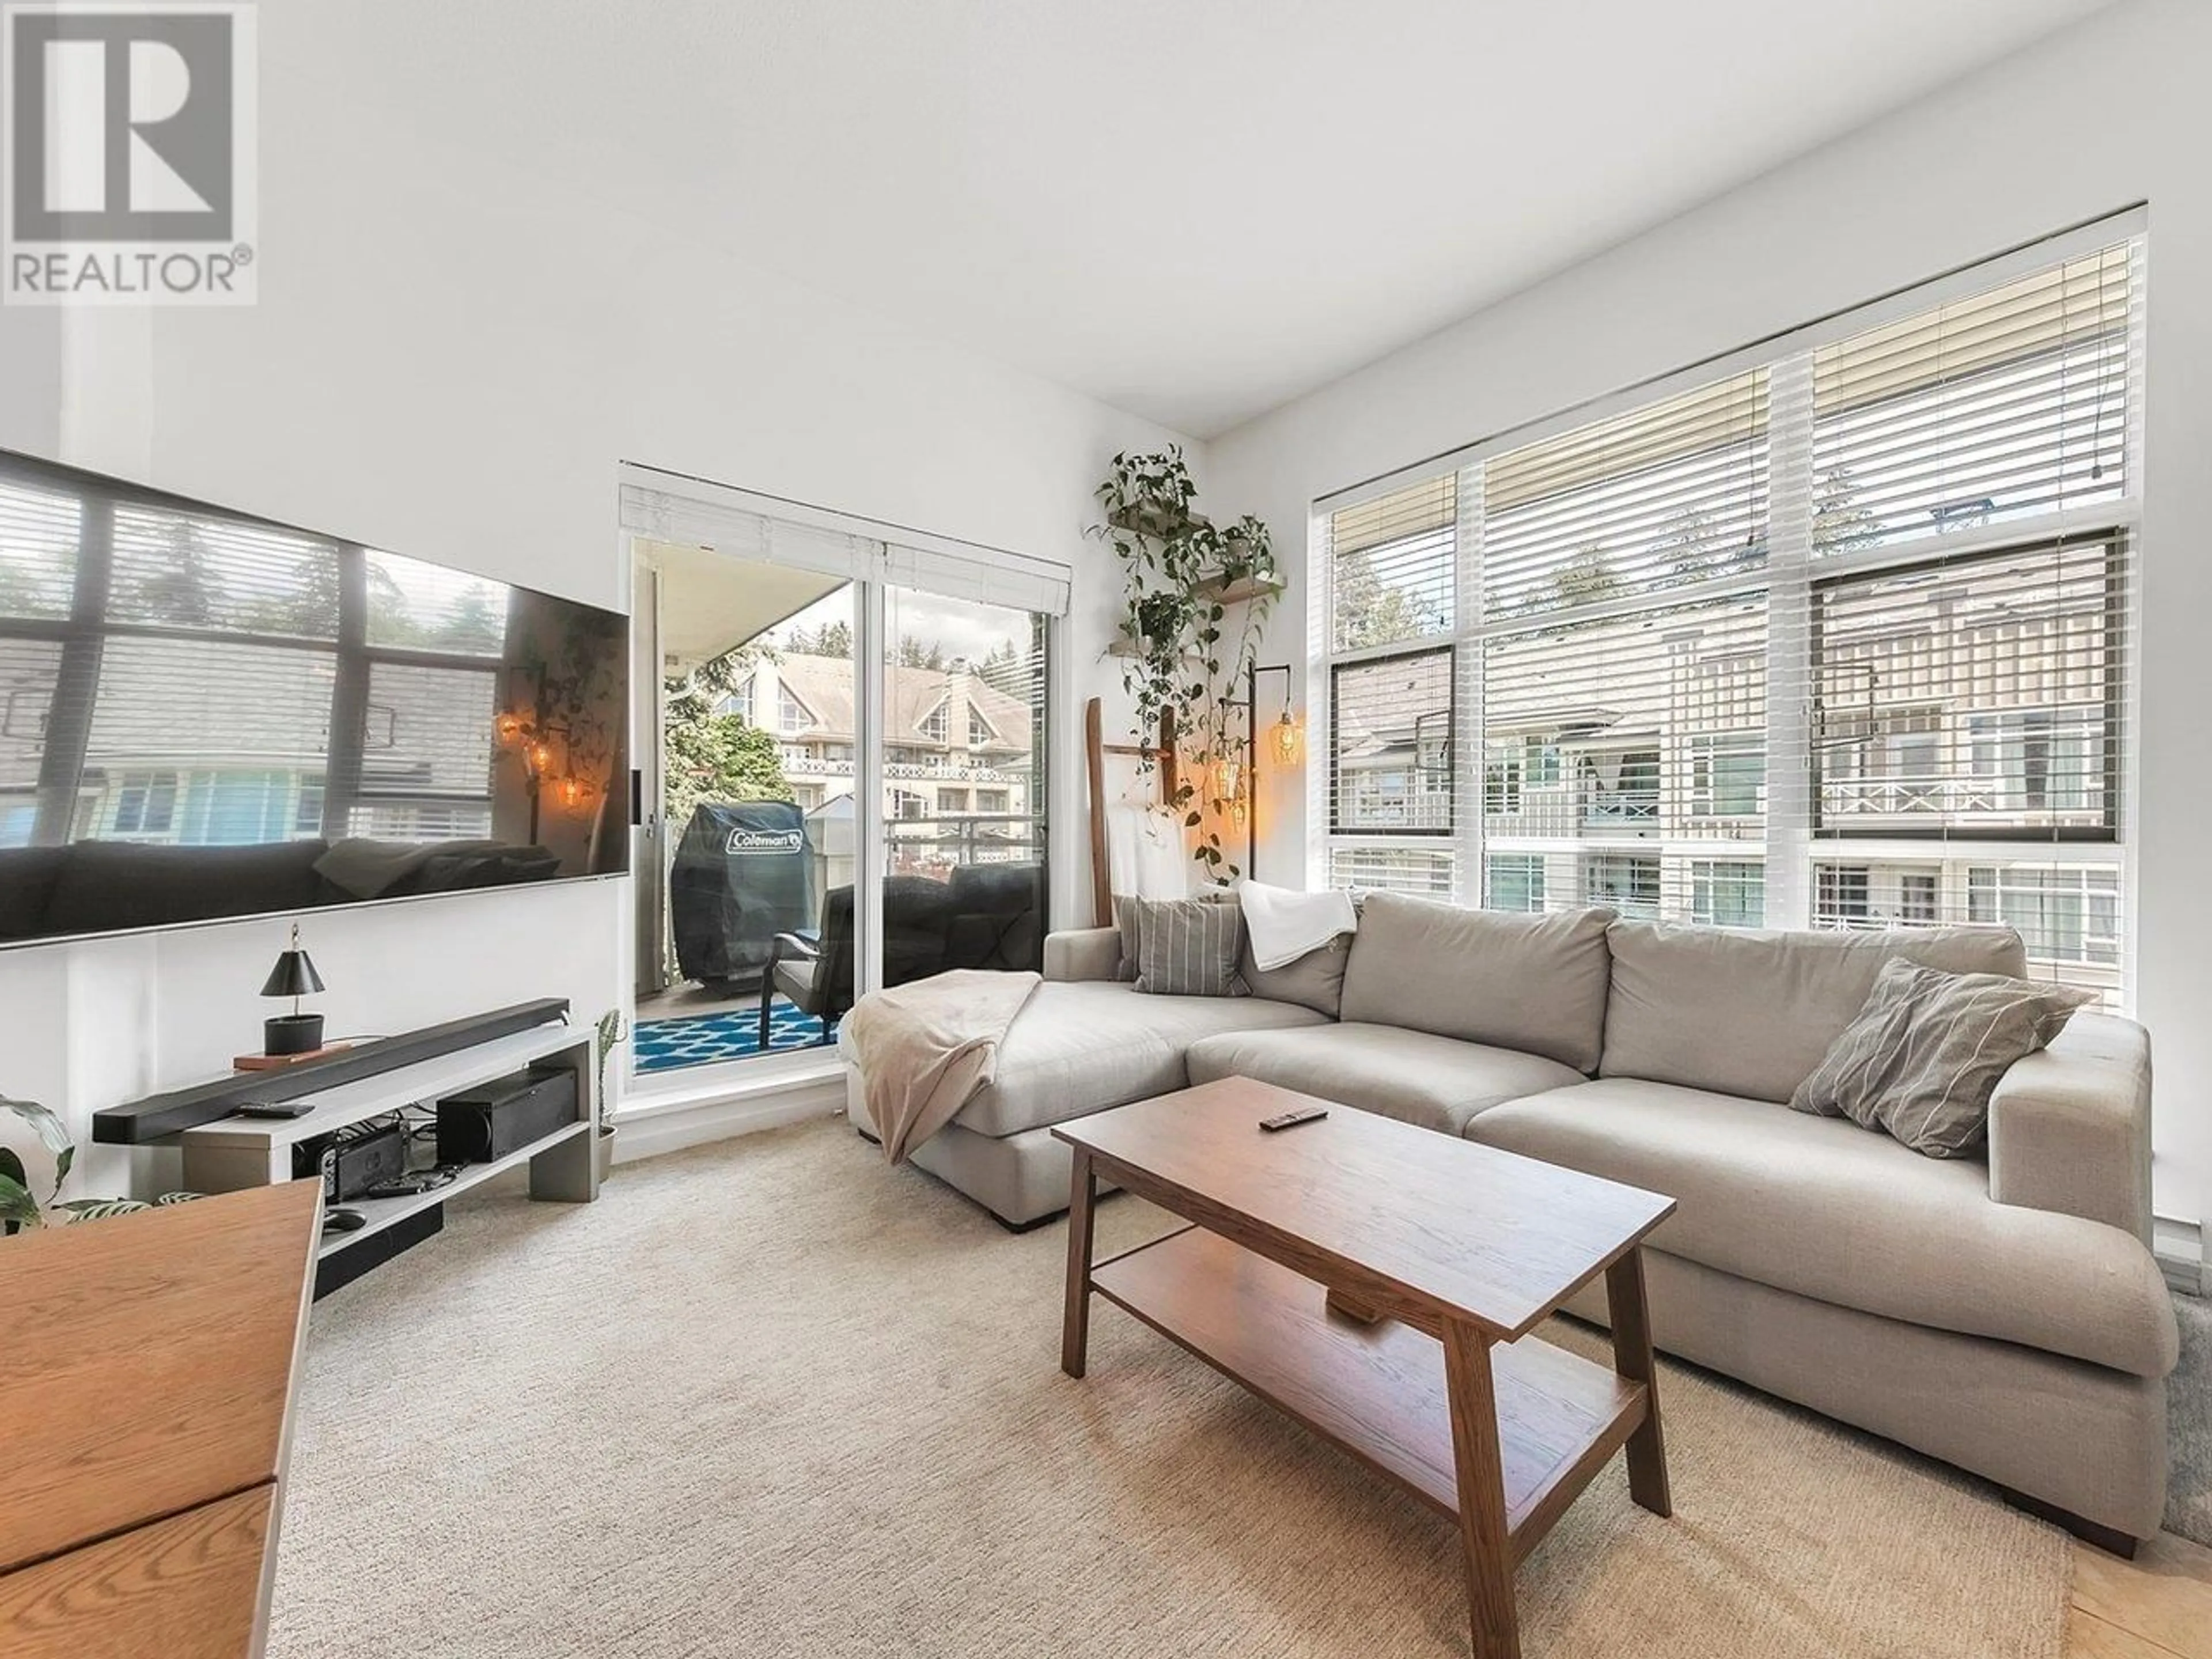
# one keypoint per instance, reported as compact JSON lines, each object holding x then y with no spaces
{"x":964,"y":796}
{"x":747,"y":885}
{"x":844,"y":785}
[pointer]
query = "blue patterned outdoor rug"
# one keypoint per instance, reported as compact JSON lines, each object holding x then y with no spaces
{"x":664,"y":1045}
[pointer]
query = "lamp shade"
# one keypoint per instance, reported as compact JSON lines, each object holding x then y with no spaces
{"x":293,"y":975}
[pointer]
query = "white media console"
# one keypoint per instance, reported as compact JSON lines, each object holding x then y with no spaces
{"x":239,"y":1151}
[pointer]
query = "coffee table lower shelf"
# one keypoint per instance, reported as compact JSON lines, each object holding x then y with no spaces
{"x":1378,"y":1390}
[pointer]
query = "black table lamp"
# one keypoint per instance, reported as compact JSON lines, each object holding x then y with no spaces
{"x":294,"y":977}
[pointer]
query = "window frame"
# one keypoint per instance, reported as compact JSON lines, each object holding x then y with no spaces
{"x":1449,"y":828}
{"x":2113,"y":727}
{"x":1792,"y":839}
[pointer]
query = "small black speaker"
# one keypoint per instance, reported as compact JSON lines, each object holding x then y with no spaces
{"x":485,"y":1124}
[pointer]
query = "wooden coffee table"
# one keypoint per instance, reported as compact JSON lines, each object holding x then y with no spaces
{"x":1325,"y":1265}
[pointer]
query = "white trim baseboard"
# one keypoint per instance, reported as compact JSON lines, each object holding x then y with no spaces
{"x":2180,"y":1248}
{"x":670,"y":1125}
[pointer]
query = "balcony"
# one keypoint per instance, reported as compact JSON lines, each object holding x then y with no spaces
{"x":1569,"y":812}
{"x":797,"y":763}
{"x":1872,"y":805}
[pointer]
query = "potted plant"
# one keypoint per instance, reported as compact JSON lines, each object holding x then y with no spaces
{"x":612,"y":1028}
{"x":19,"y":1205}
{"x":1183,"y":650}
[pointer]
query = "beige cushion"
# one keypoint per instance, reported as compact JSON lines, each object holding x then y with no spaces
{"x":1083,"y":1045}
{"x":1750,"y":1013}
{"x":1314,"y":980}
{"x":1535,"y":983}
{"x":1824,"y":1209}
{"x":1437,"y":1082}
{"x":1923,"y":1058}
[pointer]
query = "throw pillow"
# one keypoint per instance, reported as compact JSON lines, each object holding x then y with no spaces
{"x":1186,"y":947}
{"x":1927,"y":1050}
{"x":1314,"y":980}
{"x":1126,"y":922}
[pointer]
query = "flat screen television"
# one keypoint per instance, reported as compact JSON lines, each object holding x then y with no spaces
{"x":205,"y":715}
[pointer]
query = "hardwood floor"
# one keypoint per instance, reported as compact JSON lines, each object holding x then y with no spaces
{"x":2158,"y":1606}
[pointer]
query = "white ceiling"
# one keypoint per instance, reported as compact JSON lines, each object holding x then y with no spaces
{"x":710,"y":602}
{"x":1193,"y":209}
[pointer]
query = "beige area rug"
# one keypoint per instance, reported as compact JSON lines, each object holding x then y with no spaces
{"x":769,"y":1397}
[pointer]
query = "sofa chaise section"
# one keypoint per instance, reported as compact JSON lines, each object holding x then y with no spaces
{"x":1079,"y":1046}
{"x":1821,"y":1208}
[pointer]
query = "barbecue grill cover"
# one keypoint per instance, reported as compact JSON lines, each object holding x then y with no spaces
{"x":743,"y":873}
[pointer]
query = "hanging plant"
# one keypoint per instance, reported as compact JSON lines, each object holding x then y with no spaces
{"x":1196,"y":601}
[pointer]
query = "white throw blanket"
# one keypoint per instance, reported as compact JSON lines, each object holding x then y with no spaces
{"x":1284,"y":924}
{"x":924,"y":1049}
{"x":1145,"y":857}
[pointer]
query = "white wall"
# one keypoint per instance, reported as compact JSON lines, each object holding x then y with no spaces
{"x":2111,"y":113}
{"x":449,"y":358}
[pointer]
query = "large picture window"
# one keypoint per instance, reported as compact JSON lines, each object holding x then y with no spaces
{"x":1838,"y":637}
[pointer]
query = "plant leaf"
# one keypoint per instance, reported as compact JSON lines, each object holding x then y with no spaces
{"x":99,"y":1209}
{"x":52,"y":1133}
{"x":18,"y":1208}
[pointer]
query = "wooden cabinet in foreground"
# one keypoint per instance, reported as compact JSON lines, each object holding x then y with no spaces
{"x":146,"y":1393}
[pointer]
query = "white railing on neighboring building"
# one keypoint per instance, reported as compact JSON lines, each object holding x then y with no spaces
{"x":1948,"y":796}
{"x":797,"y":763}
{"x":1563,"y":812}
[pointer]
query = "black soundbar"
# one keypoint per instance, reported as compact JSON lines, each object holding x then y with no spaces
{"x":150,"y":1119}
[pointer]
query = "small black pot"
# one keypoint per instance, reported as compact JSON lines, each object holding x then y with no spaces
{"x":292,"y":1034}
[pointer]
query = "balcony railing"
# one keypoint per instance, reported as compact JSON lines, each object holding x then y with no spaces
{"x":797,"y":763}
{"x":931,"y":845}
{"x":1621,"y":808}
{"x":1564,"y":811}
{"x":1909,"y":799}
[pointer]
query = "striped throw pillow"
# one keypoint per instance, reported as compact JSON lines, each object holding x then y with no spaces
{"x":1925,"y":1053}
{"x":1185,"y":947}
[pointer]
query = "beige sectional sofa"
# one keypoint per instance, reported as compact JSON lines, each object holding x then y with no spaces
{"x":2003,"y":1314}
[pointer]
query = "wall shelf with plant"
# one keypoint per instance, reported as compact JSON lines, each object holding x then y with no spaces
{"x":1195,"y":600}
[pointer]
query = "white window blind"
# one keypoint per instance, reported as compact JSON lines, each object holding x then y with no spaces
{"x":1635,"y":736}
{"x":1841,"y":636}
{"x":1990,"y":410}
{"x":1657,"y":498}
{"x":182,"y":570}
{"x":1391,"y":565}
{"x":39,"y":532}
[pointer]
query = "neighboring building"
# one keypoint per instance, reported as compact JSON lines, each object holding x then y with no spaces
{"x":959,"y":757}
{"x":1962,"y":763}
{"x":211,"y":743}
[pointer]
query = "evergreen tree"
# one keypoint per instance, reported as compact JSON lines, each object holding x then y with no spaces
{"x":181,"y":587}
{"x":1839,"y":523}
{"x":1587,"y":577}
{"x":1368,"y":613}
{"x":471,"y":625}
{"x":832,"y":639}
